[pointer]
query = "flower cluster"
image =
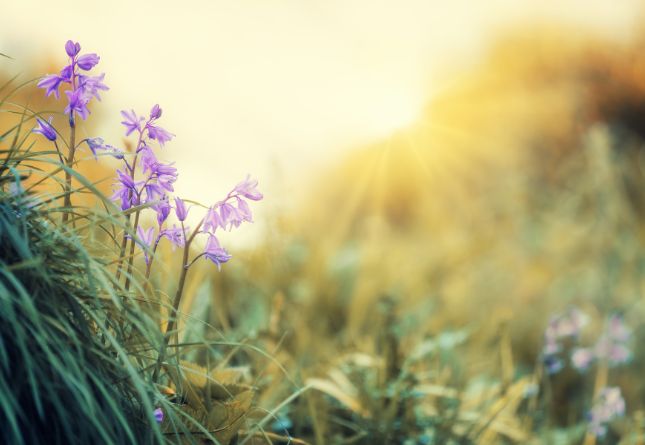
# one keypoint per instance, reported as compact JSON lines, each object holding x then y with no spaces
{"x":562,"y":327}
{"x":148,"y":180}
{"x":142,"y":178}
{"x":611,"y":347}
{"x":158,"y":177}
{"x":608,"y":406}
{"x":83,"y":87}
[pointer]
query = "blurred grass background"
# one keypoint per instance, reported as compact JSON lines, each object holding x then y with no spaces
{"x":412,"y":279}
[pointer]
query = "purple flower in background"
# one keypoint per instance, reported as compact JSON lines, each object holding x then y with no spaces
{"x":158,"y":413}
{"x":131,"y":121}
{"x":553,"y":364}
{"x":213,"y":220}
{"x":617,"y":330}
{"x":608,"y":406}
{"x":216,"y":253}
{"x":248,"y":189}
{"x":51,"y":83}
{"x":72,"y":48}
{"x":180,"y":210}
{"x":581,"y":358}
{"x":159,"y":134}
{"x":613,"y":344}
{"x":566,"y":325}
{"x":561,"y":327}
{"x":45,"y":128}
{"x":87,"y":61}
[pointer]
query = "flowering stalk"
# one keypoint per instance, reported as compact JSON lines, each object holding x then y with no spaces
{"x":83,"y":89}
{"x":223,"y":214}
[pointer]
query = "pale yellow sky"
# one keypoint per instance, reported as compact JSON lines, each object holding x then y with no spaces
{"x":275,"y":88}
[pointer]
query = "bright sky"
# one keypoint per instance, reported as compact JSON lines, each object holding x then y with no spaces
{"x":275,"y":87}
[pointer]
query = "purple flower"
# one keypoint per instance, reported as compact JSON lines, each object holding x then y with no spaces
{"x":91,"y":85}
{"x":248,"y":189}
{"x":155,"y":112}
{"x":175,"y":235}
{"x":166,"y":176}
{"x":45,"y":128}
{"x":213,"y":220}
{"x":148,"y":158}
{"x":131,"y":121}
{"x":612,"y":345}
{"x":51,"y":82}
{"x":553,"y":364}
{"x":216,"y":253}
{"x":180,"y":210}
{"x":608,"y":406}
{"x":71,"y":48}
{"x":126,"y":191}
{"x":560,"y":327}
{"x":87,"y":61}
{"x":159,"y":134}
{"x":230,"y":215}
{"x":153,"y":191}
{"x":158,"y":413}
{"x":581,"y":358}
{"x":66,"y":73}
{"x":163,"y":210}
{"x":243,"y":210}
{"x":145,"y":240}
{"x":77,"y":103}
{"x":96,"y":144}
{"x":568,"y":324}
{"x":617,"y":329}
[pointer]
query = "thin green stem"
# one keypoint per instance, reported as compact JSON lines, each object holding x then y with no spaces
{"x":172,"y":321}
{"x":128,"y":277}
{"x":67,"y":200}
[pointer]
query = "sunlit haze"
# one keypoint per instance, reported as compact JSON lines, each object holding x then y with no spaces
{"x":274,"y":87}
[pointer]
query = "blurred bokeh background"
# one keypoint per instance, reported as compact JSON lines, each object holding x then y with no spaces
{"x":458,"y":171}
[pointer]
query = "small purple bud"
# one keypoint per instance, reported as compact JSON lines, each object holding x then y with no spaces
{"x":155,"y":112}
{"x":72,"y":48}
{"x":180,"y":209}
{"x":158,"y":413}
{"x":46,"y":129}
